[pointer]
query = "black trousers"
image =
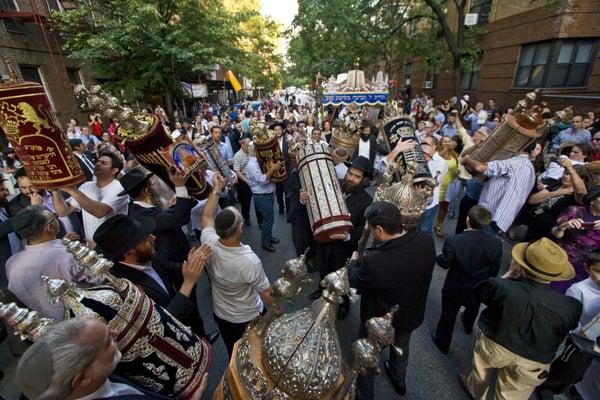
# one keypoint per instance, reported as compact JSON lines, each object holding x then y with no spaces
{"x":282,"y":200}
{"x":245,"y":198}
{"x":466,"y":203}
{"x":230,"y":332}
{"x":365,"y":384}
{"x":565,"y":371}
{"x":301,"y":238}
{"x":451,"y":304}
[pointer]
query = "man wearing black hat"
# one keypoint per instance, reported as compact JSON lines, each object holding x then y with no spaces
{"x":280,"y":187}
{"x":333,"y":255}
{"x":171,"y":243}
{"x":130,"y":245}
{"x":397,"y":271}
{"x":368,"y":145}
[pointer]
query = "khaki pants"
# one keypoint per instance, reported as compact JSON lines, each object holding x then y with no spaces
{"x":517,"y":378}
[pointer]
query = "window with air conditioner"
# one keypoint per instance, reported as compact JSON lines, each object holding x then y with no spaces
{"x":482,"y":8}
{"x":431,"y":78}
{"x":74,"y":76}
{"x":407,"y":73}
{"x":556,"y":64}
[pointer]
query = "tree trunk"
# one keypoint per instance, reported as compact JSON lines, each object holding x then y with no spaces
{"x":458,"y":75}
{"x":169,"y":104}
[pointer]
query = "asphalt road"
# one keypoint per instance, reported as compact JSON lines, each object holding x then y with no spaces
{"x":431,"y":375}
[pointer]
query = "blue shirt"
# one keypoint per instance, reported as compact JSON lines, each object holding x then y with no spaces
{"x":448,"y":130}
{"x":259,"y":184}
{"x":581,"y":136}
{"x":472,"y":119}
{"x":226,"y":150}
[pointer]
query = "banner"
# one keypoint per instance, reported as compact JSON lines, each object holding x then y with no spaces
{"x":365,"y":98}
{"x":235,"y":84}
{"x":195,"y":90}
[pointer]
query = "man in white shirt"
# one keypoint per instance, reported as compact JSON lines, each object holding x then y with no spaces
{"x":368,"y":145}
{"x":339,"y":156}
{"x":482,"y":115}
{"x":98,"y":200}
{"x":239,"y":283}
{"x":75,"y":361}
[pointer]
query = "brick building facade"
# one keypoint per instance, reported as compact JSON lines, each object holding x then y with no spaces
{"x":527,"y":45}
{"x":28,"y":45}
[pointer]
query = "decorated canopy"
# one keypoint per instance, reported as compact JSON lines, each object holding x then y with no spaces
{"x":354,"y":89}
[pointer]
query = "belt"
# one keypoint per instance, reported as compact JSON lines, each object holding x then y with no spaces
{"x":262,"y":194}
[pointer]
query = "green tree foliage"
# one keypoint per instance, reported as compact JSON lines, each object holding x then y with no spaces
{"x":328,"y":36}
{"x":259,"y":39}
{"x":146,"y":47}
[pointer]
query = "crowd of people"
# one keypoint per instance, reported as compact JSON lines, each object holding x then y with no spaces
{"x":547,"y":198}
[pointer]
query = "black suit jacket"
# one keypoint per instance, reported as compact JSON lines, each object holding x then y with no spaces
{"x":470,"y":257}
{"x":171,"y":243}
{"x":181,"y":307}
{"x":5,"y":252}
{"x":297,"y":213}
{"x":374,"y":148}
{"x":397,"y":272}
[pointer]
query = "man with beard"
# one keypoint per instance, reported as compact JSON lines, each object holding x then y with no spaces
{"x":368,"y":145}
{"x":230,"y":136}
{"x":129,"y":244}
{"x":171,"y":243}
{"x":396,"y":271}
{"x":282,"y":201}
{"x":332,"y":256}
{"x":75,"y":361}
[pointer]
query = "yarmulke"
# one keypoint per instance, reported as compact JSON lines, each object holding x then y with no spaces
{"x":34,"y":371}
{"x":224,"y":219}
{"x":22,"y":220}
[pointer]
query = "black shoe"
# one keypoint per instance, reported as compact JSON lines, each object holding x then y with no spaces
{"x":401,"y":390}
{"x":343,"y":311}
{"x":274,"y":240}
{"x":462,"y":381}
{"x":269,"y":247}
{"x":439,"y":347}
{"x":316,"y":294}
{"x":213,"y":336}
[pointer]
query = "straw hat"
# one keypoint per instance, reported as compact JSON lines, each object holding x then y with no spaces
{"x":544,"y":259}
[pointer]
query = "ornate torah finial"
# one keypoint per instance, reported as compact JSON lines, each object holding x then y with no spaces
{"x":94,"y":265}
{"x":293,"y":274}
{"x":26,"y":323}
{"x":410,"y":200}
{"x":366,"y":351}
{"x":96,"y":99}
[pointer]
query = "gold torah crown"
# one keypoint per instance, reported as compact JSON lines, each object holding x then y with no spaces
{"x":260,"y":132}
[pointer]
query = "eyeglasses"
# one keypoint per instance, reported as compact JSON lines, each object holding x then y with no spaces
{"x":596,"y":140}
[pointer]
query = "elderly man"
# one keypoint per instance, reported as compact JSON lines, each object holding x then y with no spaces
{"x":98,"y":200}
{"x":239,"y":283}
{"x":44,"y":254}
{"x":75,"y":361}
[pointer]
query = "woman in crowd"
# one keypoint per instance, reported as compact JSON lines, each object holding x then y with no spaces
{"x":448,"y":149}
{"x":578,"y":233}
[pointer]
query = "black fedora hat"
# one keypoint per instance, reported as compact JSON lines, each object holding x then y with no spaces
{"x":362,"y":163}
{"x":119,"y":234}
{"x":133,"y":179}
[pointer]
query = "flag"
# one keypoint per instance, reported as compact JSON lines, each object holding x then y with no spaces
{"x":235,"y":84}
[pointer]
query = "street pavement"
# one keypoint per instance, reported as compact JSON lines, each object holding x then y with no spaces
{"x":431,"y":375}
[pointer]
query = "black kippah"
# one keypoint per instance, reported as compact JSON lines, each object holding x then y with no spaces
{"x":224,"y":219}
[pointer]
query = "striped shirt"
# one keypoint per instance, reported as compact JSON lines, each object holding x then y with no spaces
{"x":507,"y":190}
